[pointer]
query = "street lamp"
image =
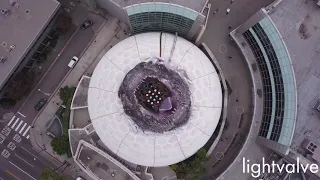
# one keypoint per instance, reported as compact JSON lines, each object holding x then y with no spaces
{"x":46,"y":94}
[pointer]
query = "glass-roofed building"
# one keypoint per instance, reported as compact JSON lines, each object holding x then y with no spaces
{"x":184,"y":17}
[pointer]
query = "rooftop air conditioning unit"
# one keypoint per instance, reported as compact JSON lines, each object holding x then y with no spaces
{"x":310,"y":146}
{"x":5,"y":12}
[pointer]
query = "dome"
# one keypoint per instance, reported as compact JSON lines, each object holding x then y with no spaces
{"x":152,"y":104}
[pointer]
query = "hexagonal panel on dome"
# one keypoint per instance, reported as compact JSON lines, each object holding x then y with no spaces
{"x":152,"y":110}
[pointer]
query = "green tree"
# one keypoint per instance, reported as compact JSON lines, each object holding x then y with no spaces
{"x":20,"y":85}
{"x":60,"y":145}
{"x":49,"y":174}
{"x":66,"y":93}
{"x":7,"y":103}
{"x":66,"y":117}
{"x":193,"y":167}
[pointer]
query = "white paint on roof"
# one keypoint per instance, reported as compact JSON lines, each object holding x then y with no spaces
{"x":115,"y":128}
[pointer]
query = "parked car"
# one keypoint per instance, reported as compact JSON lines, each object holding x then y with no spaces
{"x":40,"y":104}
{"x":86,"y":24}
{"x":80,"y":178}
{"x":73,"y":61}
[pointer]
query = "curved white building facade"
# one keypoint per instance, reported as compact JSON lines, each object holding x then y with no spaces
{"x":116,"y":129}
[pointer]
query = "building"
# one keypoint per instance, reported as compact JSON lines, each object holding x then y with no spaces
{"x":99,"y":164}
{"x":279,"y":105}
{"x":183,"y":121}
{"x":22,"y":27}
{"x":185,"y":17}
{"x":153,"y":143}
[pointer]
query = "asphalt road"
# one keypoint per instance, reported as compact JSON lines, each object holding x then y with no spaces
{"x":56,"y":74}
{"x":23,"y":162}
{"x":18,"y":160}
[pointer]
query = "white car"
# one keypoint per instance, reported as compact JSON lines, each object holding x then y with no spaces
{"x":80,"y":178}
{"x":73,"y":61}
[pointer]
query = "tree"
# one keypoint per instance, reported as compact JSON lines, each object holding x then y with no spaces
{"x":7,"y":103}
{"x":53,"y":42}
{"x":60,"y":145}
{"x":46,"y":174}
{"x":20,"y":85}
{"x":49,"y":174}
{"x":63,"y":23}
{"x":42,"y":58}
{"x":193,"y":167}
{"x":66,"y":93}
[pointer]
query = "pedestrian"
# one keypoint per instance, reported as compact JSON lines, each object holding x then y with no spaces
{"x":229,"y":27}
{"x":229,"y":57}
{"x":228,"y":10}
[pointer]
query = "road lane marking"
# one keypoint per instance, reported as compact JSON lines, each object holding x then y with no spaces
{"x":22,"y":170}
{"x":25,"y":132}
{"x":18,"y":125}
{"x":11,"y":120}
{"x":17,"y":138}
{"x":28,"y":152}
{"x":21,"y":114}
{"x":23,"y":160}
{"x":12,"y":146}
{"x":35,"y":157}
{"x":14,"y":123}
{"x":28,"y":137}
{"x":22,"y":128}
{"x":5,"y":153}
{"x":11,"y":174}
{"x":6,"y":131}
{"x":2,"y":138}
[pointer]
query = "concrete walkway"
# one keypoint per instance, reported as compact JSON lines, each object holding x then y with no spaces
{"x":107,"y":33}
{"x":236,"y":72}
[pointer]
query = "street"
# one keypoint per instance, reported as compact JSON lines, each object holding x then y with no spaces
{"x":18,"y":159}
{"x":55,"y":75}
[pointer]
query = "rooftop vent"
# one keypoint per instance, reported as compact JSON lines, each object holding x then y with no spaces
{"x":5,"y":12}
{"x":4,"y":44}
{"x":311,"y":147}
{"x":11,"y":48}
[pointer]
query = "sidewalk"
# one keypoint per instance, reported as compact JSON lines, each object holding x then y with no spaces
{"x":106,"y":35}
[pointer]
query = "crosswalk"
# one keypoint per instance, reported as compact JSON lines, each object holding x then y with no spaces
{"x":15,"y":123}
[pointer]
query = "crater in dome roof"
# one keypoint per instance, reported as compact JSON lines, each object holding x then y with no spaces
{"x":153,"y":95}
{"x":156,"y":97}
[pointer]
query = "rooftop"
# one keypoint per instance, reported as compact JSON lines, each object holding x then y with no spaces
{"x":80,"y":100}
{"x":20,"y":28}
{"x":120,"y":133}
{"x":100,"y":164}
{"x":192,"y":4}
{"x":298,"y":23}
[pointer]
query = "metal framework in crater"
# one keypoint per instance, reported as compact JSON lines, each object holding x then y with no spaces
{"x":151,"y":119}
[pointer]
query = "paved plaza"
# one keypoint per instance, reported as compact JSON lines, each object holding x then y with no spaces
{"x":236,"y":72}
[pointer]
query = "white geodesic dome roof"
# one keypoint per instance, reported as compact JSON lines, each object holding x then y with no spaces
{"x":116,"y":129}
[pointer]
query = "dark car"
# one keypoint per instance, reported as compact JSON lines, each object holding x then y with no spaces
{"x":40,"y":104}
{"x":86,"y":24}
